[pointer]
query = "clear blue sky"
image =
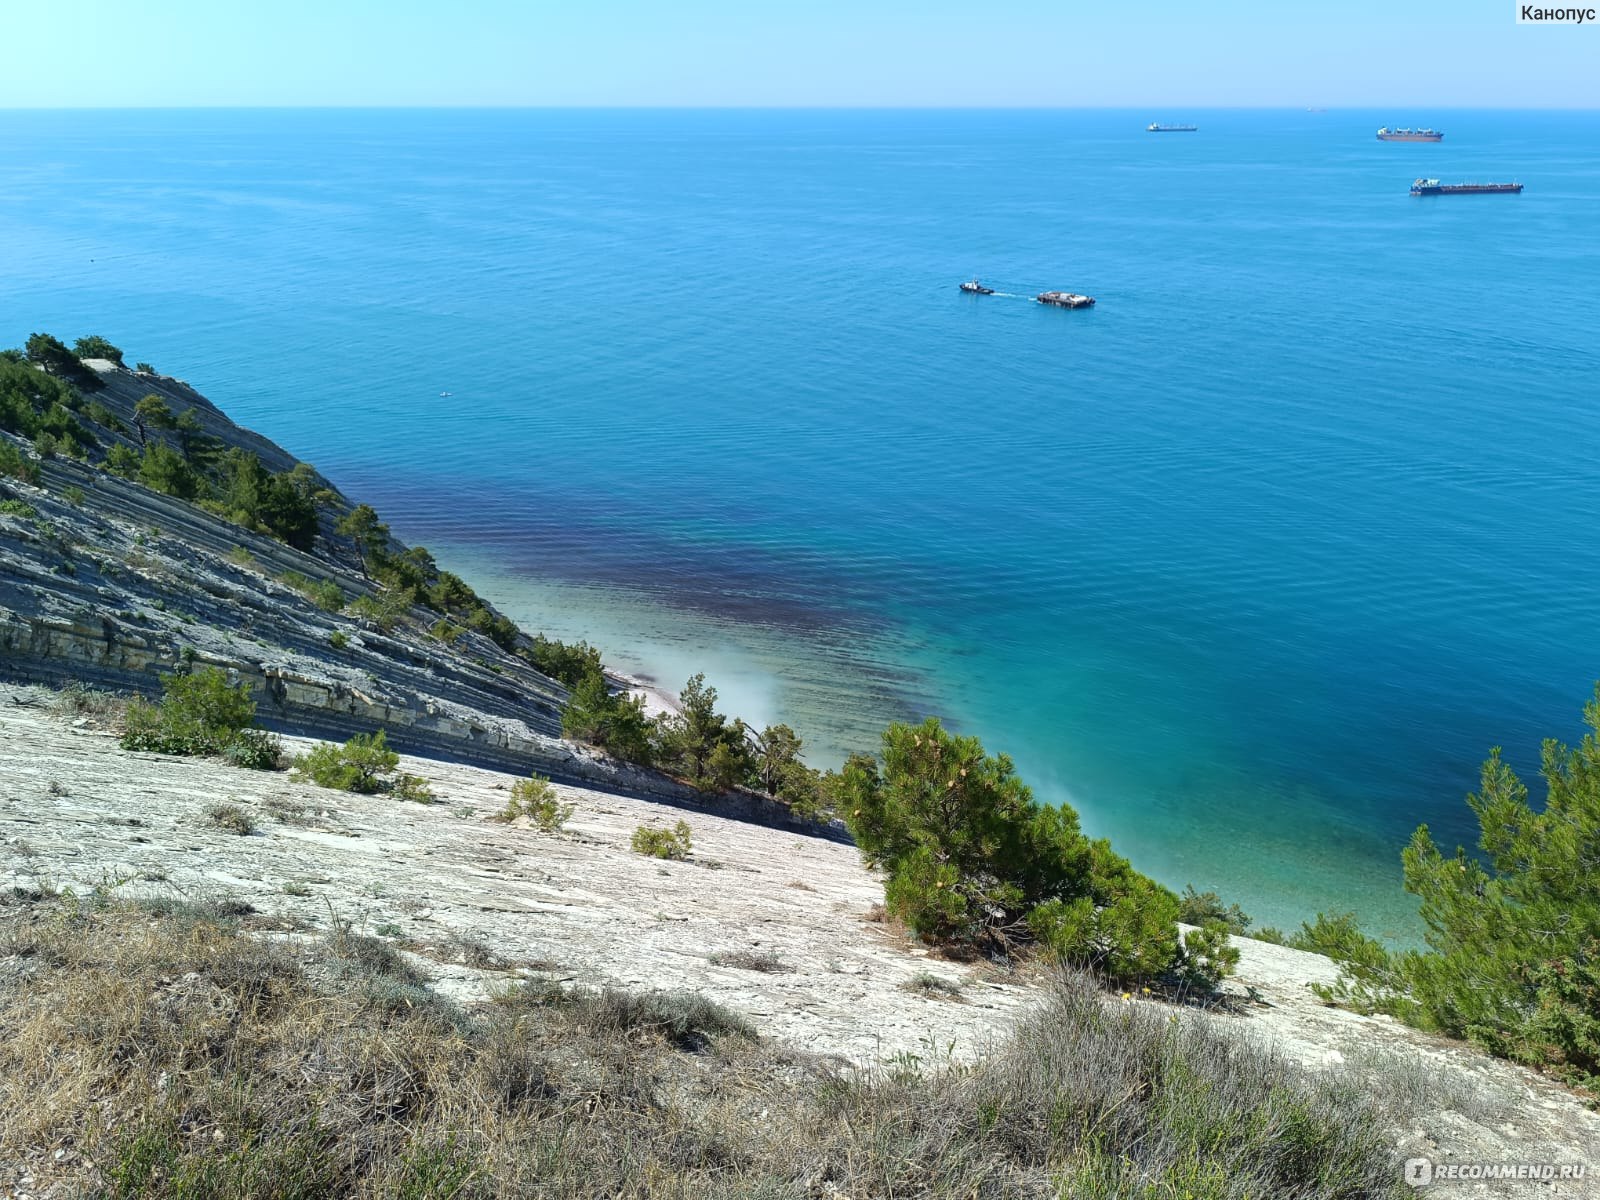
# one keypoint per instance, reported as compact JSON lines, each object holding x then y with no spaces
{"x":1163,"y":53}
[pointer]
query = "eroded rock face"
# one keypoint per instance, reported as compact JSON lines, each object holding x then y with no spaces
{"x":126,"y":584}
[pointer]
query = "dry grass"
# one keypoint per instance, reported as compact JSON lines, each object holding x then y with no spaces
{"x":929,"y":984}
{"x":232,"y":818}
{"x":98,"y":709}
{"x":180,"y":1055}
{"x":749,"y":960}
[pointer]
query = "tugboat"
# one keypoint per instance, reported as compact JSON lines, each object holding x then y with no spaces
{"x":975,"y":288}
{"x":1409,"y":135}
{"x":1065,"y":299}
{"x":1432,"y":187}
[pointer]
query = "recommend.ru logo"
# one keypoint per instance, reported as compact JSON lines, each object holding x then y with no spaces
{"x":1420,"y":1172}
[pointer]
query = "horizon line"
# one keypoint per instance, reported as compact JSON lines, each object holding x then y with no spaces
{"x":471,"y":107}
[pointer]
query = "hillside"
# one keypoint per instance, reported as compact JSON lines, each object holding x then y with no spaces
{"x":784,"y":930}
{"x":111,"y":583}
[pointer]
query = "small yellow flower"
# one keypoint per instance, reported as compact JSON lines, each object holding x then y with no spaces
{"x":1146,"y":991}
{"x":1125,"y":996}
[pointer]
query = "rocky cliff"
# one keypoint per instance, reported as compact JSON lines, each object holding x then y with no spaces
{"x":108,"y":582}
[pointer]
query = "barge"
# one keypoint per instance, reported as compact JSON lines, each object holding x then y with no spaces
{"x":1065,"y":300}
{"x":1154,"y":128}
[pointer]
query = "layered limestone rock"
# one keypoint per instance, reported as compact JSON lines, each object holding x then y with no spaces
{"x":106,"y":582}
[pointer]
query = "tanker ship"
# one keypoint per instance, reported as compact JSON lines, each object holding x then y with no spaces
{"x":1432,"y":187}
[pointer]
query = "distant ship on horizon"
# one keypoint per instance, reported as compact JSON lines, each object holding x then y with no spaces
{"x":1409,"y":135}
{"x":1155,"y":128}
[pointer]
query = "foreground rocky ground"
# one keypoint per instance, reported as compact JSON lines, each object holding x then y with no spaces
{"x":777,"y":926}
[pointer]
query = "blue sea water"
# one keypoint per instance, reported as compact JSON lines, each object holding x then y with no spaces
{"x":1252,"y":563}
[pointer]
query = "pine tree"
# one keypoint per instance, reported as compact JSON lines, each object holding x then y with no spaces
{"x":1514,"y":932}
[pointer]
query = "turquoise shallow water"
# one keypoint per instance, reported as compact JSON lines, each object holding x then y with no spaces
{"x":1252,"y":563}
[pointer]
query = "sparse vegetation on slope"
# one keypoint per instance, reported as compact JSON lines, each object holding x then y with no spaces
{"x":363,"y":764}
{"x":179,"y":1056}
{"x":536,"y":799}
{"x":654,"y":842}
{"x":200,"y":713}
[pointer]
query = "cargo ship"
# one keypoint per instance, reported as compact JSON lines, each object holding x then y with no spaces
{"x":1154,"y":128}
{"x":1432,"y":187}
{"x":1409,"y":135}
{"x":1065,"y":300}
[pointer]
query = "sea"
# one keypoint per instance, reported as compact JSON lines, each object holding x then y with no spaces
{"x":1252,"y":564}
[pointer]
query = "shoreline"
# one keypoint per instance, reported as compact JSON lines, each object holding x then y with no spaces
{"x":657,"y":701}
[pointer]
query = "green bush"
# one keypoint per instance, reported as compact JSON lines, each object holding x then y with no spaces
{"x":35,"y":404}
{"x":152,"y":412}
{"x":971,"y":858}
{"x":663,"y":843}
{"x":255,"y":750}
{"x":123,"y":460}
{"x":413,"y":788}
{"x":18,"y":508}
{"x":446,"y":631}
{"x":500,"y":630}
{"x":104,"y":417}
{"x":1339,"y":937}
{"x":449,"y":593}
{"x":701,"y":743}
{"x":199,"y":713}
{"x":1131,"y":935}
{"x":536,"y":799}
{"x":777,"y":768}
{"x":360,"y":765}
{"x":370,"y":535}
{"x":324,"y":593}
{"x":338,"y":639}
{"x":51,"y":354}
{"x":1199,"y":908}
{"x":96,"y":347}
{"x":252,"y":496}
{"x":614,"y":723}
{"x":567,"y":663}
{"x":17,"y":465}
{"x":385,"y":610}
{"x":1208,"y":956}
{"x":165,"y":470}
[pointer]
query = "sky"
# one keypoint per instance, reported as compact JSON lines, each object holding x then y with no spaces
{"x":793,"y":53}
